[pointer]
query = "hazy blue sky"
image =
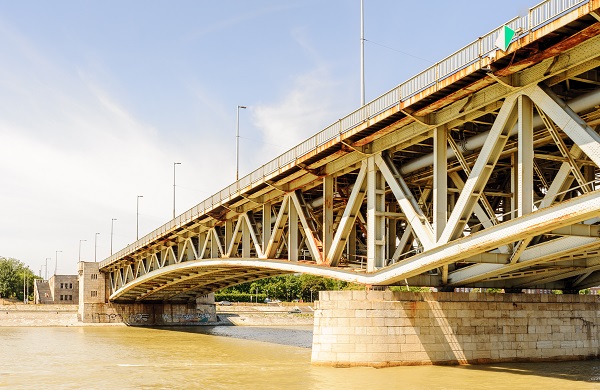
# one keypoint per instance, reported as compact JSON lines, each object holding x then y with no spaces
{"x":99,"y":98}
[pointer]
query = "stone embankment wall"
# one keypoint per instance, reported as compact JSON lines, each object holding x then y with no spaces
{"x":265,"y":315}
{"x":376,"y":328}
{"x":148,"y":313}
{"x":38,"y":315}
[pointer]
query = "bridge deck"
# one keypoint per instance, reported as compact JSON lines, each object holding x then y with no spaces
{"x":472,"y":146}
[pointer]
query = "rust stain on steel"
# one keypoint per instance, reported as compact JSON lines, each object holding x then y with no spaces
{"x":553,"y":51}
{"x":386,"y":130}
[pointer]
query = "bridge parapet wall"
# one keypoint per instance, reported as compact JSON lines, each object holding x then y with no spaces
{"x":376,"y":328}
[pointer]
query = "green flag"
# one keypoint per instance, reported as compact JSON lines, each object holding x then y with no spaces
{"x":504,"y":38}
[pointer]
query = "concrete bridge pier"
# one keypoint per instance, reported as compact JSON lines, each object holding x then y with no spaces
{"x":94,"y":306}
{"x":384,"y":328}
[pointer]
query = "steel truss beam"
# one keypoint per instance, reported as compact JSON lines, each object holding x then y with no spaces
{"x":481,"y":171}
{"x":289,"y":225}
{"x":569,"y":212}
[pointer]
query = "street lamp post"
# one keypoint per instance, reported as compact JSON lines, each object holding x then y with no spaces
{"x":362,"y":53}
{"x":237,"y":143}
{"x":112,"y":224}
{"x":46,"y":268}
{"x":80,"y":241}
{"x":56,"y":262}
{"x":137,"y":218}
{"x":95,"y":246}
{"x":174,"y":165}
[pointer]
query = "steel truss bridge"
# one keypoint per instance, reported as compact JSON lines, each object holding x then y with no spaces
{"x":481,"y":171}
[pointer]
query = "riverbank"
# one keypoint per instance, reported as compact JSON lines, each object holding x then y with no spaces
{"x":265,"y":315}
{"x":21,"y":315}
{"x":38,"y":315}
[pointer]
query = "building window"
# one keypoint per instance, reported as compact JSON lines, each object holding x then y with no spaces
{"x":94,"y":276}
{"x":70,"y":297}
{"x":94,"y":293}
{"x":71,"y":285}
{"x":61,"y":297}
{"x":61,"y":285}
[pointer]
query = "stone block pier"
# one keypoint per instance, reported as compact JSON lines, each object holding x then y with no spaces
{"x":384,"y":328}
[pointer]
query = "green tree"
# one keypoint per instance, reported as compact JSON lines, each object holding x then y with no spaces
{"x":13,"y":273}
{"x":287,"y":287}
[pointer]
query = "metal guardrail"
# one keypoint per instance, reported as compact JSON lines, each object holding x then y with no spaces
{"x":536,"y":17}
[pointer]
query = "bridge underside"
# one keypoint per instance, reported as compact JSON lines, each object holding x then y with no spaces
{"x":191,"y":280}
{"x":488,"y":177}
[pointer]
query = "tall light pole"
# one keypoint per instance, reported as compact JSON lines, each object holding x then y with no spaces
{"x":112,"y":225}
{"x":237,"y":143}
{"x":24,"y":293}
{"x":56,"y":262}
{"x":95,"y":246}
{"x":46,"y":273}
{"x":362,"y":53}
{"x":80,"y":241}
{"x":137,"y":220}
{"x":174,"y":165}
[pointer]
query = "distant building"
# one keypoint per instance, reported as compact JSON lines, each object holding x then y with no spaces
{"x":59,"y":289}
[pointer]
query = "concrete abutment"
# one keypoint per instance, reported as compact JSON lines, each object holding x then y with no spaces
{"x":94,"y":306}
{"x":384,"y":328}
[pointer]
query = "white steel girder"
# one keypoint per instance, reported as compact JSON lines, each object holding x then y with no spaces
{"x":375,"y":219}
{"x":244,"y":233}
{"x":440,"y":180}
{"x":347,"y":222}
{"x":569,"y":212}
{"x":484,"y":165}
{"x":531,"y":256}
{"x":409,"y":206}
{"x":311,"y":238}
{"x":536,"y":281}
{"x":567,"y":120}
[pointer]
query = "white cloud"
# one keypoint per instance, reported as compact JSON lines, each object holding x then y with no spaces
{"x":71,"y":158}
{"x":311,"y":103}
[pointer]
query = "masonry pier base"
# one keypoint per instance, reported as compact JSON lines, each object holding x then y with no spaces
{"x":384,"y":328}
{"x":94,"y":306}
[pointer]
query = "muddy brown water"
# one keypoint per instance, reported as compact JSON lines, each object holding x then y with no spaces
{"x":229,"y":357}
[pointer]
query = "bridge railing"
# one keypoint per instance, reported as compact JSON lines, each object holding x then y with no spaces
{"x":536,"y":17}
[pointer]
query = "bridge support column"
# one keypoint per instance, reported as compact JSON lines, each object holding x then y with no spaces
{"x":384,"y":328}
{"x":375,"y":217}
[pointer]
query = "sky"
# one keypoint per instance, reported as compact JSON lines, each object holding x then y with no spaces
{"x":99,"y":99}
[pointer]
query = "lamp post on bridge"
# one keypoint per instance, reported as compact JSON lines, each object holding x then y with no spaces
{"x":112,"y":225}
{"x":95,"y":246}
{"x":137,"y":218}
{"x":174,"y":165}
{"x":80,"y":241}
{"x":46,"y":268}
{"x":237,"y":143}
{"x":362,"y":53}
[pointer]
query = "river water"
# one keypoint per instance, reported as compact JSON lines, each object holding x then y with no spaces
{"x":228,"y":357}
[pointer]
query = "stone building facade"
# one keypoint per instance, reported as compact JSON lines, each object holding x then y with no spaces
{"x":59,"y":289}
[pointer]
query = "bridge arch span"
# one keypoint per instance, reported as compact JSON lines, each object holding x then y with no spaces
{"x":188,"y":280}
